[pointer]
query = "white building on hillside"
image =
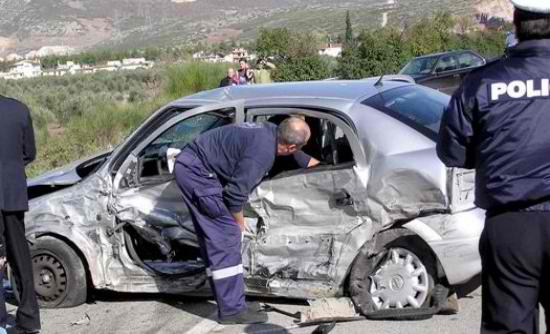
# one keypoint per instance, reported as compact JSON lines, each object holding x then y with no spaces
{"x":69,"y":68}
{"x":331,"y":50}
{"x":136,"y":63}
{"x":208,"y":57}
{"x":23,"y":70}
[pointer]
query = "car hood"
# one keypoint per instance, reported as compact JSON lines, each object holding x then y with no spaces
{"x":64,"y":176}
{"x":419,"y":76}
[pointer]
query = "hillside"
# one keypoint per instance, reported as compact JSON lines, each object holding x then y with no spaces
{"x":30,"y":24}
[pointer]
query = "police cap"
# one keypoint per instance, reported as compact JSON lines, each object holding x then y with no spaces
{"x":534,"y":6}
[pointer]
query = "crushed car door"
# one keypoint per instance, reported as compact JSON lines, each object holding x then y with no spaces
{"x":146,"y":195}
{"x":306,"y":217}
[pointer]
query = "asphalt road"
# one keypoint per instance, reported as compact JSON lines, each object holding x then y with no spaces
{"x":116,"y":313}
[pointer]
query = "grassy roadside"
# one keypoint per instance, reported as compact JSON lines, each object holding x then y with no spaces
{"x":75,"y":116}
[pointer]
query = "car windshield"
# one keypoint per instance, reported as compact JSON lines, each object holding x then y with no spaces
{"x":417,"y":106}
{"x":419,"y":66}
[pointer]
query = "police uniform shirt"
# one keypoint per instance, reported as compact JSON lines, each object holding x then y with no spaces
{"x":498,"y":122}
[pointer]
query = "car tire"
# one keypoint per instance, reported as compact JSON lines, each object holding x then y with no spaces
{"x":60,"y":278}
{"x":396,"y":278}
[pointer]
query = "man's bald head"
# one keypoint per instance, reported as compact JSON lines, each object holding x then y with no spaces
{"x":293,"y":134}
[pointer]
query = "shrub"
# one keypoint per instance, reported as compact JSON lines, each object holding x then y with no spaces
{"x":192,"y":78}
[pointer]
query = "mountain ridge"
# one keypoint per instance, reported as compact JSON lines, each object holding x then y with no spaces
{"x":81,"y":24}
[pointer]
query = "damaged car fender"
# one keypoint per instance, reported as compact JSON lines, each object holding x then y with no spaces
{"x":454,"y":238}
{"x":77,"y":214}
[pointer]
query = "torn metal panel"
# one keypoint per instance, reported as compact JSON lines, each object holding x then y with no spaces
{"x":404,"y":194}
{"x":305,"y":237}
{"x":77,"y":214}
{"x":158,"y":213}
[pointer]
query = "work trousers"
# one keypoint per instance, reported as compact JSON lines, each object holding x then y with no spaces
{"x":218,"y":234}
{"x":515,"y":254}
{"x":19,"y":259}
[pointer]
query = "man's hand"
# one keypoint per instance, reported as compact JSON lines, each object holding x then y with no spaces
{"x":313,"y":162}
{"x":239,"y":218}
{"x":3,"y":262}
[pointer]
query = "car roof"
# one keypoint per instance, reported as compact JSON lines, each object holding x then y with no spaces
{"x":438,"y":54}
{"x":345,"y":91}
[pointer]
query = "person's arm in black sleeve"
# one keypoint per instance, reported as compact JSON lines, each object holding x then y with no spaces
{"x":304,"y":160}
{"x":454,"y":146}
{"x":29,"y":145}
{"x":249,"y":174}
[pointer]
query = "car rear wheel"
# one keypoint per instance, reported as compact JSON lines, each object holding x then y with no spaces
{"x":397,"y":278}
{"x":59,"y":274}
{"x":400,"y":280}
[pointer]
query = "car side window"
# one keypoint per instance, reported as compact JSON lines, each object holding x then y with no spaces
{"x":467,"y":59}
{"x":327,"y":143}
{"x":446,"y":63}
{"x":152,"y":160}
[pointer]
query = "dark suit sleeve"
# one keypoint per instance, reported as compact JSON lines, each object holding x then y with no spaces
{"x":29,"y":145}
{"x":456,"y":134}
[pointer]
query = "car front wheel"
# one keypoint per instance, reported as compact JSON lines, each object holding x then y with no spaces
{"x":59,"y":274}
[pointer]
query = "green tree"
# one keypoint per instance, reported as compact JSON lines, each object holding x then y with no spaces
{"x":273,"y":43}
{"x":302,"y":69}
{"x":349,"y":64}
{"x":349,"y":39}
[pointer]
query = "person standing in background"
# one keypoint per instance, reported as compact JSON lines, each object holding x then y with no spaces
{"x":231,"y":79}
{"x":246,"y":74}
{"x":17,"y":150}
{"x":263,"y":71}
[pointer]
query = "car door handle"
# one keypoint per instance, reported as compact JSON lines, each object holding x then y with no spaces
{"x":342,"y":198}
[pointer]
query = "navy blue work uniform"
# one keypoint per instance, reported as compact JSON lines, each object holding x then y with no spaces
{"x":216,"y":173}
{"x":498,"y":122}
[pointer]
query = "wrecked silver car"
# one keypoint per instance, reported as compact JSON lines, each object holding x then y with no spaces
{"x":381,"y":220}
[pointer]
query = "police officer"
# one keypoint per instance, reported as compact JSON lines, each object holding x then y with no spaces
{"x":17,"y":149}
{"x":498,"y":122}
{"x":216,"y":174}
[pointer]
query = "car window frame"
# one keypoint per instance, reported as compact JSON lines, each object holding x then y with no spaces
{"x":474,"y":55}
{"x":442,"y":73}
{"x":359,"y":156}
{"x":141,"y":180}
{"x":131,"y":160}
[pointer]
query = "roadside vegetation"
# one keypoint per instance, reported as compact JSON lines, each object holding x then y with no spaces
{"x":75,"y":116}
{"x":374,"y":52}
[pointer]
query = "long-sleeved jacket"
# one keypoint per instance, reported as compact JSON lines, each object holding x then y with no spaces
{"x":240,"y":156}
{"x":17,"y":149}
{"x":498,"y":122}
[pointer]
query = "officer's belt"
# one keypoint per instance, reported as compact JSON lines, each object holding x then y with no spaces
{"x":542,"y":205}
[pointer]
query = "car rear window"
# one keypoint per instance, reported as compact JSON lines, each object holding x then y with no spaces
{"x":417,"y":106}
